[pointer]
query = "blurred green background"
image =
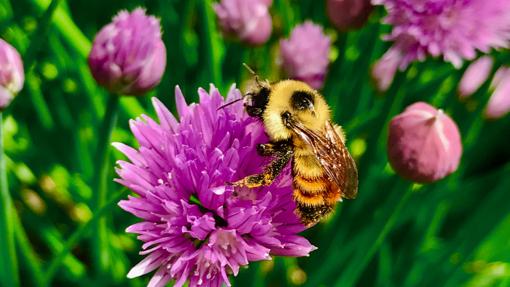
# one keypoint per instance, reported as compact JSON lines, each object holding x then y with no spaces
{"x":455,"y":232}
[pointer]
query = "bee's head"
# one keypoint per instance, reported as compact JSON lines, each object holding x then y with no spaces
{"x":257,"y":97}
{"x":256,"y":101}
{"x":292,"y":102}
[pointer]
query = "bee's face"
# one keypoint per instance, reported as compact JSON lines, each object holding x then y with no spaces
{"x":288,"y":101}
{"x":301,"y":106}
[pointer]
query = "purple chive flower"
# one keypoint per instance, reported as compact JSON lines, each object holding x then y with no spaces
{"x":246,"y":20}
{"x":11,"y":74}
{"x":474,"y":76}
{"x":348,"y":15}
{"x":452,"y":29}
{"x":128,"y":56}
{"x":206,"y":239}
{"x":305,"y":54}
{"x":424,"y":144}
{"x":499,"y":102}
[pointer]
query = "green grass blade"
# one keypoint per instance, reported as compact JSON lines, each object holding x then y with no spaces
{"x":28,"y":254}
{"x":78,"y":234}
{"x":100,"y":240}
{"x":8,"y":261}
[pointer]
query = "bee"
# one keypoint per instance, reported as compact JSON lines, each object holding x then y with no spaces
{"x":298,"y":122}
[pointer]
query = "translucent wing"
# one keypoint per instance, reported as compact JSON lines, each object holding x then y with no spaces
{"x":333,"y":156}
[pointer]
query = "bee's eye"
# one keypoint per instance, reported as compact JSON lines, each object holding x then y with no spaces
{"x":286,"y":118}
{"x":302,"y":100}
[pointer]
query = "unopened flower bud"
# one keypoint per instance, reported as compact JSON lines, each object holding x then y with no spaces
{"x":128,"y":56}
{"x":11,"y":74}
{"x":347,"y":15}
{"x":247,"y":20}
{"x":499,"y":102}
{"x":305,"y":54}
{"x":474,"y":76}
{"x":424,"y":144}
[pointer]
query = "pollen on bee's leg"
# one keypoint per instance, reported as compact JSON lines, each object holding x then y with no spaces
{"x":251,"y":181}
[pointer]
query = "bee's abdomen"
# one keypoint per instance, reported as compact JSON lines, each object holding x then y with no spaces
{"x":311,"y":214}
{"x":314,"y":194}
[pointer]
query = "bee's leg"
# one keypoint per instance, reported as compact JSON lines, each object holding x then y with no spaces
{"x":270,"y":172}
{"x":274,"y":148}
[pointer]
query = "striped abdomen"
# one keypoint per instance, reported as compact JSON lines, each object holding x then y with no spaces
{"x":315,"y":195}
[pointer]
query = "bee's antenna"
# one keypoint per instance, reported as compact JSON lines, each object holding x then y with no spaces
{"x":257,"y":80}
{"x":229,"y":103}
{"x":252,"y":72}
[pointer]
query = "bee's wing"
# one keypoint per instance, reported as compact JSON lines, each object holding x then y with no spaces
{"x":333,"y":156}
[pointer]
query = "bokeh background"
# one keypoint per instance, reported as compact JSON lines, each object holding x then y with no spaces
{"x":455,"y":232}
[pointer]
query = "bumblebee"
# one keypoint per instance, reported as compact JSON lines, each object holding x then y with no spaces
{"x":297,"y":120}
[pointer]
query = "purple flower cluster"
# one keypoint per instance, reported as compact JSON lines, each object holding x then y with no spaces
{"x":247,"y":20}
{"x":305,"y":54}
{"x":194,"y":227}
{"x":128,"y":55}
{"x":453,"y":29}
{"x":12,"y":75}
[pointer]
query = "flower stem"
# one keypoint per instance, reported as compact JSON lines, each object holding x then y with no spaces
{"x":28,"y":254}
{"x":38,"y":38}
{"x":362,"y":258}
{"x":8,"y":260}
{"x":100,"y":235}
{"x":332,"y":85}
{"x":68,"y":29}
{"x":212,"y":43}
{"x":286,"y":13}
{"x":39,"y":35}
{"x":78,"y":234}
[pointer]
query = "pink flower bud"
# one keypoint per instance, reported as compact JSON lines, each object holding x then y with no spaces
{"x":476,"y":74}
{"x":424,"y":144}
{"x":348,"y":14}
{"x":499,"y":102}
{"x":128,"y":56}
{"x":11,"y":74}
{"x":305,"y":54}
{"x":384,"y":70}
{"x":246,"y":20}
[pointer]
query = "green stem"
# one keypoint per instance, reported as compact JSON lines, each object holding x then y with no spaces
{"x":363,"y":258}
{"x":39,"y":35}
{"x":286,"y":14}
{"x":28,"y":254}
{"x":29,"y":58}
{"x":103,"y":165}
{"x":332,"y":84}
{"x":42,"y":109}
{"x":67,"y":28}
{"x":395,"y":105}
{"x":78,"y":234}
{"x":212,"y":47}
{"x":8,"y":261}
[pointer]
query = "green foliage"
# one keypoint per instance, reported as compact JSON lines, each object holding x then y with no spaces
{"x":451,"y":233}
